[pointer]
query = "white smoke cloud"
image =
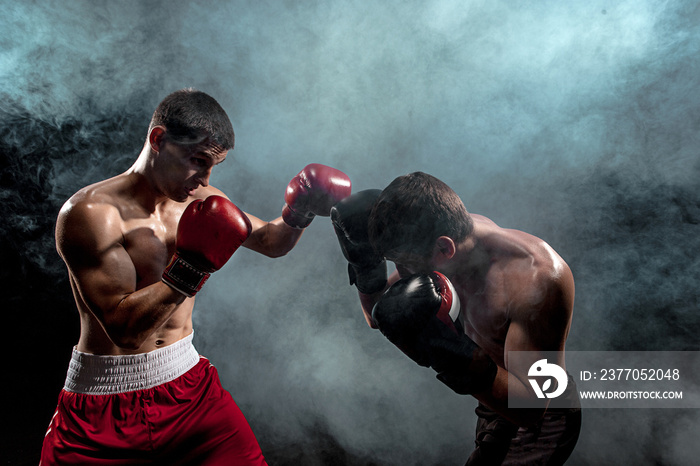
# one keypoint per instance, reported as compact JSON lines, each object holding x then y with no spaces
{"x":575,"y":121}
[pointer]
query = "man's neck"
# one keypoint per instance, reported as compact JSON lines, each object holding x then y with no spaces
{"x":471,"y":260}
{"x":143,"y":184}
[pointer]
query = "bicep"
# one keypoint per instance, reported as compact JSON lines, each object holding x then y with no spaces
{"x":539,"y":330}
{"x":90,"y":242}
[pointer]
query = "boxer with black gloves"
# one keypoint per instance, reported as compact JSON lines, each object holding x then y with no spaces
{"x":464,"y":295}
{"x":139,"y":247}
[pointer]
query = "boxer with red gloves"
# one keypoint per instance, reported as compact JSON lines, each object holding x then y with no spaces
{"x":138,"y":248}
{"x":466,"y":294}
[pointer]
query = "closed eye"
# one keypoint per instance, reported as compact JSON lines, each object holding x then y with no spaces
{"x":199,"y":162}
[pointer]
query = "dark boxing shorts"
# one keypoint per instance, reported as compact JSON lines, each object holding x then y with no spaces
{"x":550,"y":442}
{"x":165,"y":407}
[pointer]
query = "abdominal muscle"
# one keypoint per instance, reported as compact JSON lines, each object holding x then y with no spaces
{"x":94,"y":339}
{"x":150,"y":242}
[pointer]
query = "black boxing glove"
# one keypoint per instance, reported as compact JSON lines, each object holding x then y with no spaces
{"x":366,"y":268}
{"x":419,"y":314}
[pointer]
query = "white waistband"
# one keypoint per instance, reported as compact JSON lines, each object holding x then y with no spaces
{"x":95,"y":374}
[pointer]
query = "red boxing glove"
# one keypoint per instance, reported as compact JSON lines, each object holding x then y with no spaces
{"x":208,"y":234}
{"x":313,"y":192}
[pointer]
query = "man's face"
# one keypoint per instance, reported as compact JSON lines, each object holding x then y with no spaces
{"x":182,"y":168}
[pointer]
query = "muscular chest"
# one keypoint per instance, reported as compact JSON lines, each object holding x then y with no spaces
{"x":486,"y":320}
{"x":150,"y":242}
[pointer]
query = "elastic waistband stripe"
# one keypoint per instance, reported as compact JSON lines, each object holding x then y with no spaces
{"x":95,"y":374}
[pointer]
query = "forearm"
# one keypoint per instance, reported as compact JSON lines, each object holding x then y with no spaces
{"x":274,"y":238}
{"x":367,"y":301}
{"x":496,"y":398}
{"x":313,"y":191}
{"x":137,"y":315}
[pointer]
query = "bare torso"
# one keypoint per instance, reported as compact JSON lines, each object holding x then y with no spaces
{"x":522,"y":280}
{"x":148,"y":239}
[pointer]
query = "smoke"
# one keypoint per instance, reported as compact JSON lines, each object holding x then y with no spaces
{"x":574,"y":121}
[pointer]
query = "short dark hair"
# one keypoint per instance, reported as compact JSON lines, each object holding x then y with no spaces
{"x":189,"y":114}
{"x":413,"y":212}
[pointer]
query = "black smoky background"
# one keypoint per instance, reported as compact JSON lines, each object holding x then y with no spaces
{"x":578,"y":123}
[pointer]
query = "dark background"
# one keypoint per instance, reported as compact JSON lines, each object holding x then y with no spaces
{"x":575,"y":121}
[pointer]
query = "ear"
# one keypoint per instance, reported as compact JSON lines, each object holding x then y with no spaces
{"x":444,"y":249}
{"x":155,"y":138}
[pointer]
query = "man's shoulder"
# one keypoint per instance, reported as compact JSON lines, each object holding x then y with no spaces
{"x":525,"y":264}
{"x":105,"y":194}
{"x":547,"y":270}
{"x":542,"y":283}
{"x":514,"y":245}
{"x":94,"y":208}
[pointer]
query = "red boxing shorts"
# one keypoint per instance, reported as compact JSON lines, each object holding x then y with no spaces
{"x":165,"y":407}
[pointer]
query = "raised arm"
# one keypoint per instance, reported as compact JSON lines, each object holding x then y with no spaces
{"x":274,"y":238}
{"x":366,"y":268}
{"x":313,"y":191}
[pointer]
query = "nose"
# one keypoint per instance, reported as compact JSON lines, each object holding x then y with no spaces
{"x":203,"y":178}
